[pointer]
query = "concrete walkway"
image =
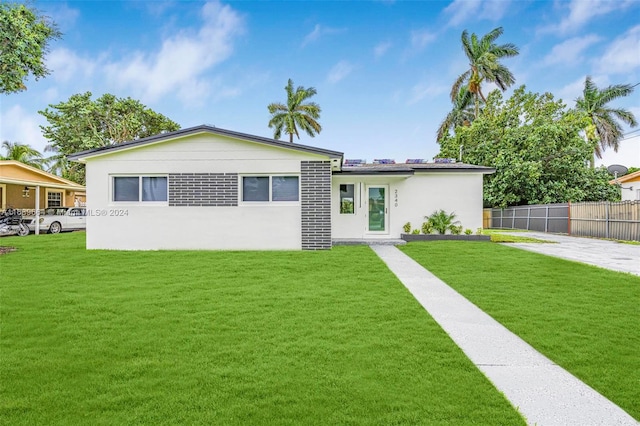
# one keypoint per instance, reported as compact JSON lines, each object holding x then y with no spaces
{"x":604,"y":253}
{"x":544,"y":393}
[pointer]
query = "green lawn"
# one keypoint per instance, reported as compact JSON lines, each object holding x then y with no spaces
{"x":584,"y":318}
{"x":331,"y":337}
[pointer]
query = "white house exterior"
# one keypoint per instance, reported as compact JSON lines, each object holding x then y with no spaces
{"x":210,"y":188}
{"x":387,"y":196}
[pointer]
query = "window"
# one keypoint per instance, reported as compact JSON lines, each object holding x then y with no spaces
{"x":346,"y":198}
{"x":54,"y":199}
{"x":140,"y":188}
{"x":270,"y":188}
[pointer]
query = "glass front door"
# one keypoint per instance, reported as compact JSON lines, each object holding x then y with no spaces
{"x":378,"y":208}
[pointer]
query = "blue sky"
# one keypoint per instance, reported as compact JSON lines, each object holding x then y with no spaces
{"x":383,"y":69}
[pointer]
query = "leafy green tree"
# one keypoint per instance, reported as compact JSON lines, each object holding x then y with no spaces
{"x":24,"y":41}
{"x":23,"y":153}
{"x":603,"y":129}
{"x":533,"y":141}
{"x":295,"y":113}
{"x":484,"y":65}
{"x":82,"y":123}
{"x":462,"y":113}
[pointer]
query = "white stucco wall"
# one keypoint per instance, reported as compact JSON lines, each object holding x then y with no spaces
{"x":148,"y":226}
{"x":410,"y":199}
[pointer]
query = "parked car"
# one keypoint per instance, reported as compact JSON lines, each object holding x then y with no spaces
{"x":58,"y":219}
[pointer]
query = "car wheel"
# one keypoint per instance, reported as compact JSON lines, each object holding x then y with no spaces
{"x":24,"y":230}
{"x":55,"y":228}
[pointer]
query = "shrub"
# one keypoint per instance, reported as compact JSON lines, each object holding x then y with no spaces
{"x":441,"y":221}
{"x":427,"y":228}
{"x":415,"y":231}
{"x":406,"y":227}
{"x":456,"y":229}
{"x":468,"y":231}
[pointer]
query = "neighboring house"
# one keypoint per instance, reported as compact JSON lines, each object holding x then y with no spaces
{"x":210,"y":188}
{"x":26,"y":187}
{"x":629,"y":186}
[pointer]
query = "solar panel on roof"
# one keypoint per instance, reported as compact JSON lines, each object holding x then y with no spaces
{"x":384,"y":161}
{"x":415,"y":161}
{"x":354,"y":162}
{"x":444,"y":160}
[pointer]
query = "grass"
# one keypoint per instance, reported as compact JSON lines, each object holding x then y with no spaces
{"x":499,"y":236}
{"x":331,"y":337}
{"x":583,"y":318}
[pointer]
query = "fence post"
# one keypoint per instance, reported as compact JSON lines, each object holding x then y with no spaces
{"x":546,"y":218}
{"x":513,"y":218}
{"x":606,"y":209}
{"x":569,"y":218}
{"x":528,"y":218}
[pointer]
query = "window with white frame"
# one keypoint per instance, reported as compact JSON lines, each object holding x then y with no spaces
{"x":54,"y":199}
{"x":270,"y":188}
{"x":139,"y":188}
{"x":347,"y":192}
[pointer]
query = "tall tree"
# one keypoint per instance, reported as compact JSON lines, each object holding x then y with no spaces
{"x":603,"y":129}
{"x":82,"y":123}
{"x":24,"y":41}
{"x":484,"y":65}
{"x":23,"y":153}
{"x":460,"y":115}
{"x":295,"y":113}
{"x":533,"y":141}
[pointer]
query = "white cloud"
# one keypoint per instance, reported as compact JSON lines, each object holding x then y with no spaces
{"x":318,"y":32}
{"x":583,"y":11}
{"x":381,"y":49}
{"x":63,"y":15}
{"x":570,"y":51}
{"x":67,"y":65}
{"x":21,"y":126}
{"x":465,"y":10}
{"x":623,"y":55}
{"x":421,"y":38}
{"x":339,"y":71}
{"x":425,"y":90}
{"x":179,"y":64}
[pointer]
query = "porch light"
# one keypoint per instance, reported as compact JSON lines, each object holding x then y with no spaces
{"x":25,"y":192}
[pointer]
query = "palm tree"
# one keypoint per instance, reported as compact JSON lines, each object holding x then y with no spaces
{"x":23,"y":153}
{"x":461,"y":114}
{"x":484,"y":56}
{"x":603,"y":130}
{"x":295,"y":113}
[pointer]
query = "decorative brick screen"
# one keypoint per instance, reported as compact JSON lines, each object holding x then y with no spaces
{"x":315,"y":180}
{"x":203,"y":189}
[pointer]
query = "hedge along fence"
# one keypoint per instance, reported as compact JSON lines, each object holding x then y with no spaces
{"x":601,"y":219}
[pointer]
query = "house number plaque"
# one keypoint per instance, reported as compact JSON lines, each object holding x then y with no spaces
{"x":395,"y":197}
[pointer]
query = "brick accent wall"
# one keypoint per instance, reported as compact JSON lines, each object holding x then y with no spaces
{"x":203,"y":189}
{"x":315,"y":182}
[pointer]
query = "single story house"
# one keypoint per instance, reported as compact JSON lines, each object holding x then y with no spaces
{"x":209,"y":188}
{"x":629,"y":186}
{"x":29,"y":188}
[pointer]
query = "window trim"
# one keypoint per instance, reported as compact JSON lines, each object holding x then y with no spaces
{"x":54,"y":191}
{"x":353,"y":200}
{"x":241,"y":200}
{"x":139,"y":201}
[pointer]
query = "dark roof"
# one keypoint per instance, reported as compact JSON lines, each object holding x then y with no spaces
{"x":404,"y":168}
{"x":202,"y":129}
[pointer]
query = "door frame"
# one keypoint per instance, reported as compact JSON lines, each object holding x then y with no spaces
{"x":368,"y":187}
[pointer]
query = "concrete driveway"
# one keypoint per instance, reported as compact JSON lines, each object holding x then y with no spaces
{"x":605,"y":254}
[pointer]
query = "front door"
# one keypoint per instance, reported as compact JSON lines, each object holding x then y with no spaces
{"x":378,"y":217}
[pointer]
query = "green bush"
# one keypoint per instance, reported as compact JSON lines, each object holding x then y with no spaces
{"x":427,"y":228}
{"x":406,"y":227}
{"x":441,"y":221}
